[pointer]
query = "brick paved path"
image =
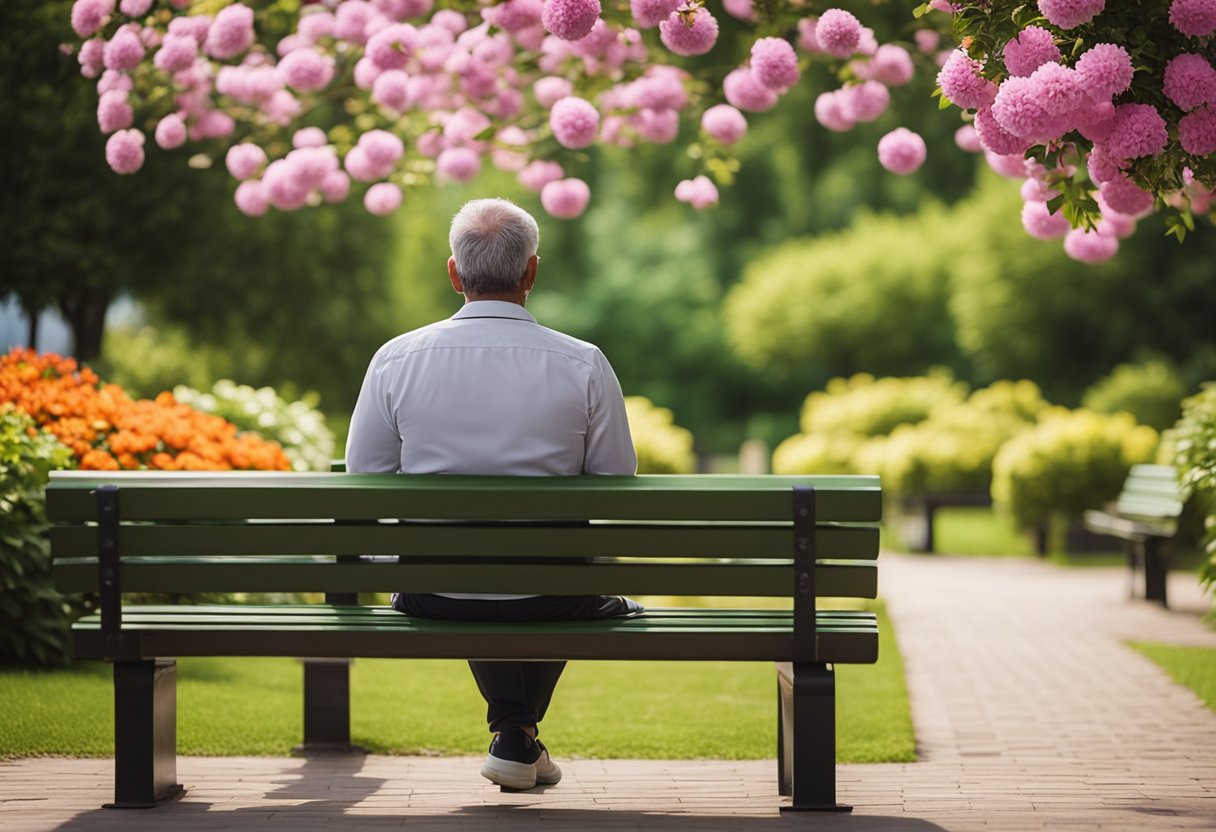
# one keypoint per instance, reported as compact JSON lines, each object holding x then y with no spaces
{"x":1030,"y":714}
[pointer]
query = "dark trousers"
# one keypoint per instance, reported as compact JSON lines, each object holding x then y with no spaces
{"x":517,"y":694}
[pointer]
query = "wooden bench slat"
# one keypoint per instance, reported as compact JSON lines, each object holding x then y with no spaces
{"x":688,"y":540}
{"x":851,"y":579}
{"x":343,"y":496}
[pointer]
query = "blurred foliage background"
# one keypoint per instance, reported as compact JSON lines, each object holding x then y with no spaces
{"x":817,"y":264}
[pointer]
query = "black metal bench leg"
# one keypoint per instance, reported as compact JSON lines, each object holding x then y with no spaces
{"x":808,"y":743}
{"x":327,"y":707}
{"x":1156,"y":568}
{"x":145,"y":733}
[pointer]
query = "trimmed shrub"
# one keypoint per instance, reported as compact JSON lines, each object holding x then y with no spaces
{"x":662,"y":446}
{"x":34,"y":618}
{"x":868,"y":406}
{"x":1191,"y":446}
{"x":1069,"y":462}
{"x":1152,"y":392}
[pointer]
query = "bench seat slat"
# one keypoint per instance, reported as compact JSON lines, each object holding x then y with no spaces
{"x":163,"y":496}
{"x":853,"y":579}
{"x":689,"y":540}
{"x":845,"y":636}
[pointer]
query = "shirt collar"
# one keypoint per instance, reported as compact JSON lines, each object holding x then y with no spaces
{"x":493,"y":309}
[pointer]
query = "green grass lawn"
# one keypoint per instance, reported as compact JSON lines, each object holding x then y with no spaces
{"x":1194,"y":667}
{"x":663,"y":710}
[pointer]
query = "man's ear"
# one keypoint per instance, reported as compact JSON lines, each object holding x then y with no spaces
{"x":530,"y":273}
{"x":454,"y":277}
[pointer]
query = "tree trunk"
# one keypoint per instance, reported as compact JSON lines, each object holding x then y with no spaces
{"x":32,"y":317}
{"x":85,"y":311}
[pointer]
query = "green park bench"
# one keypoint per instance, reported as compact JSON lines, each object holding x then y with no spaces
{"x":1145,"y":516}
{"x":149,"y":532}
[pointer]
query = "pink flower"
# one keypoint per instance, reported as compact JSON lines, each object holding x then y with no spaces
{"x":212,"y":124}
{"x":1069,"y":14}
{"x":774,"y":63}
{"x":1009,"y":165}
{"x":1033,"y":47}
{"x":699,"y":192}
{"x":1101,"y":166}
{"x":514,"y":15}
{"x":134,"y":8}
{"x":250,"y":199}
{"x":306,"y":70}
{"x":1096,"y":121}
{"x":392,"y":46}
{"x":864,"y":102}
{"x":1125,"y":196}
{"x":1036,"y":190}
{"x":657,"y":126}
{"x":113,"y":112}
{"x":927,"y":40}
{"x":808,"y":41}
{"x":574,"y":122}
{"x":176,"y":53}
{"x":510,"y":150}
{"x":1041,"y":224}
{"x":741,"y":9}
{"x":391,"y":90}
{"x":650,"y":13}
{"x":1197,"y":131}
{"x":309,"y":137}
{"x":124,"y":51}
{"x":283,"y":187}
{"x":540,"y":173}
{"x":1090,"y":246}
{"x":1196,"y":18}
{"x":125,"y":151}
{"x":1139,"y":131}
{"x":892,"y":65}
{"x":1018,"y":108}
{"x":967,"y":139}
{"x":838,"y":33}
{"x":171,"y":132}
{"x":335,"y":186}
{"x":1190,"y":81}
{"x":382,"y":199}
{"x":901,"y":151}
{"x":831,"y":112}
{"x":382,"y":147}
{"x":570,"y":19}
{"x":351,"y":20}
{"x":689,"y":31}
{"x":449,"y":19}
{"x":1105,"y":71}
{"x":743,"y":90}
{"x":1114,"y":224}
{"x":89,"y":15}
{"x":92,"y":57}
{"x":996,"y":138}
{"x":724,"y":123}
{"x":231,"y":33}
{"x":244,"y":160}
{"x":458,"y":164}
{"x":551,"y":89}
{"x":962,"y":84}
{"x":112,"y":80}
{"x":313,"y":27}
{"x":1060,"y":90}
{"x":565,"y":198}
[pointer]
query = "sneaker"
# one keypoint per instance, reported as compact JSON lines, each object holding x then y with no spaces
{"x":511,"y":762}
{"x":547,"y":772}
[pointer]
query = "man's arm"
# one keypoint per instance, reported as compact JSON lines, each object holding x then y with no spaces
{"x":609,"y":443}
{"x":373,"y":445}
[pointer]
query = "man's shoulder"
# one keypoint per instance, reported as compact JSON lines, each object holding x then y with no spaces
{"x":565,"y":342}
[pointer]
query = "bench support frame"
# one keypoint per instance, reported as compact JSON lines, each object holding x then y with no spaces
{"x":145,"y":733}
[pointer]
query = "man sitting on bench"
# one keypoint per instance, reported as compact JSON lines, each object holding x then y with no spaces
{"x":490,"y":391}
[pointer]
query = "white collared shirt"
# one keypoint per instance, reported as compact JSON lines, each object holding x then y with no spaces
{"x":490,"y":391}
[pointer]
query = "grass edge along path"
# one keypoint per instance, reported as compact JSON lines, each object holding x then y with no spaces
{"x":632,"y":710}
{"x":1191,"y":667}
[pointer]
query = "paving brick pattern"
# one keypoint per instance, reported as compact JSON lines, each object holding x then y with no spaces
{"x":1030,"y":713}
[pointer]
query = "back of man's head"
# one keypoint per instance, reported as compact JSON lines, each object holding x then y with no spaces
{"x":491,"y":242}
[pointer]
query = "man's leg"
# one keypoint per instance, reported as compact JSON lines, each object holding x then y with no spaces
{"x":517,"y":694}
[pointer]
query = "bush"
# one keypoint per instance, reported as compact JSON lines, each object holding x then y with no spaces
{"x":1069,"y":462}
{"x":298,"y":426}
{"x":874,"y":407}
{"x":953,"y":450}
{"x":662,"y":446}
{"x":817,"y":454}
{"x":34,"y":618}
{"x":1152,"y":392}
{"x":1191,"y":446}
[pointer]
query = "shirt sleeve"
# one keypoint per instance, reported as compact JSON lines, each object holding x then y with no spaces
{"x":373,"y":445}
{"x":609,"y":443}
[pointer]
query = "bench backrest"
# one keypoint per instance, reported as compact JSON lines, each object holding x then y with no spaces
{"x":1150,"y":493}
{"x":264,"y":532}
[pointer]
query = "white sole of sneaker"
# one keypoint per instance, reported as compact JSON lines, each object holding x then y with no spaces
{"x":547,"y":772}
{"x":509,"y":773}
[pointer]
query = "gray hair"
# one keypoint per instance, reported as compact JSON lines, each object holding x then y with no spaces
{"x":491,"y":241}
